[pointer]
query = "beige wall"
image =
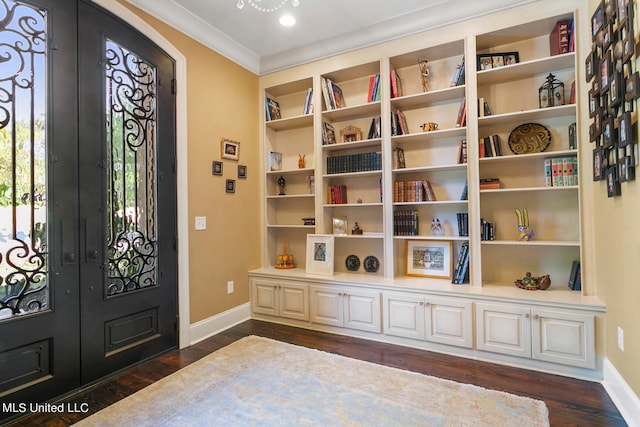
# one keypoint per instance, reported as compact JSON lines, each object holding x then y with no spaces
{"x":222,"y":103}
{"x":616,"y":265}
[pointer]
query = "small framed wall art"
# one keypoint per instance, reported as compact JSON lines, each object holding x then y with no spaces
{"x":242,"y":171}
{"x":216,"y":168}
{"x":230,"y":149}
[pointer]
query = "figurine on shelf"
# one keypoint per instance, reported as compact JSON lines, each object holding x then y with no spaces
{"x":424,"y":74}
{"x":301,"y":161}
{"x":523,"y":225}
{"x":533,"y":283}
{"x":285,"y":260}
{"x":436,"y":227}
{"x":356,"y":229}
{"x":281,"y":183}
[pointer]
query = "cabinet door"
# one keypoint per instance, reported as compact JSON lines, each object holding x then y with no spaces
{"x":294,"y":300}
{"x":403,"y":315}
{"x":566,"y":338}
{"x":449,"y":322}
{"x":264,"y":299}
{"x":326,"y":305}
{"x":362,"y":310}
{"x":502,"y":328}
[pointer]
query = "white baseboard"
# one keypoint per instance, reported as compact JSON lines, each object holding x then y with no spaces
{"x":624,"y":398}
{"x":208,"y":327}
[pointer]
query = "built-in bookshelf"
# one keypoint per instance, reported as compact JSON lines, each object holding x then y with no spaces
{"x":553,"y":211}
{"x":368,"y":115}
{"x":289,"y":186}
{"x":430,"y":199}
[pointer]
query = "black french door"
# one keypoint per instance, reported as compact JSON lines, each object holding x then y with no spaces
{"x":88,"y":263}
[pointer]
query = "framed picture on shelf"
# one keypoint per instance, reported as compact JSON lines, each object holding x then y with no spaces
{"x":320,"y":254}
{"x":216,"y":168}
{"x":230,"y":149}
{"x":275,"y":161}
{"x":340,"y":226}
{"x":490,"y":61}
{"x":429,"y":258}
{"x":242,"y":171}
{"x":350,"y":134}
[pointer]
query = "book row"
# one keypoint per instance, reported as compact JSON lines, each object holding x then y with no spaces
{"x":463,"y":224}
{"x":406,"y":223}
{"x":490,"y":146}
{"x":348,"y":163}
{"x":561,"y":171}
{"x":413,"y":191}
{"x":336,"y":194}
{"x":461,"y":271}
{"x":487,"y":230}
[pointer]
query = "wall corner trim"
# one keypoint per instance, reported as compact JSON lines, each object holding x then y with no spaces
{"x":622,"y":395}
{"x":215,"y":324}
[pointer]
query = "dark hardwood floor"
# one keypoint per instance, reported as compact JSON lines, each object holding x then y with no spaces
{"x":571,"y":402}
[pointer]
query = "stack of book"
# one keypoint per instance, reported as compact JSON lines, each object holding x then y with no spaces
{"x":406,"y":223}
{"x":374,"y":88}
{"x":308,"y":103}
{"x":399,"y":123}
{"x":463,"y":224}
{"x":348,"y":163}
{"x":561,"y":171}
{"x":396,"y":85}
{"x":490,"y":184}
{"x":413,"y":191}
{"x":375,"y":130}
{"x":336,"y":194}
{"x":490,"y":146}
{"x":461,"y":272}
{"x":458,"y":75}
{"x":332,"y":94}
{"x":487,"y":230}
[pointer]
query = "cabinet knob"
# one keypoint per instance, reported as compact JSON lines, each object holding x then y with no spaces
{"x":536,"y":317}
{"x":427,"y":304}
{"x":421,"y":303}
{"x":526,"y":316}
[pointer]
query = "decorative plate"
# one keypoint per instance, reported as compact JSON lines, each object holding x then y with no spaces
{"x":352,"y":262}
{"x":529,"y":138}
{"x":371,"y":264}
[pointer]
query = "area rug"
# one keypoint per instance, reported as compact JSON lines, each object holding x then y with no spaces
{"x":261,"y":382}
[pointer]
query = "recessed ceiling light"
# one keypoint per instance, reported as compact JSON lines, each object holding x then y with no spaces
{"x":287,"y":20}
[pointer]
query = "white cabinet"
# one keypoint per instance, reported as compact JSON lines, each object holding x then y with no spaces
{"x":434,"y":319}
{"x":346,"y":307}
{"x":548,"y":335}
{"x":282,"y":299}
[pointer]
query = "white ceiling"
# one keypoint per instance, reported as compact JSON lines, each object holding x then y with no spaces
{"x":324,"y":28}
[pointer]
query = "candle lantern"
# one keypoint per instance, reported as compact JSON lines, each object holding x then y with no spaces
{"x":551,"y":93}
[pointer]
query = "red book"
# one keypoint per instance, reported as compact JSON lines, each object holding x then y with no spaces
{"x":559,"y":38}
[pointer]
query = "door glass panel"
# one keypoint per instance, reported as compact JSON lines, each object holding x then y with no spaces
{"x":23,"y":153}
{"x":131,"y":176}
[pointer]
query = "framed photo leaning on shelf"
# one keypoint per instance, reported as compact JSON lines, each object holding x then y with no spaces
{"x":320,"y":254}
{"x":230,"y":149}
{"x":429,"y":258}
